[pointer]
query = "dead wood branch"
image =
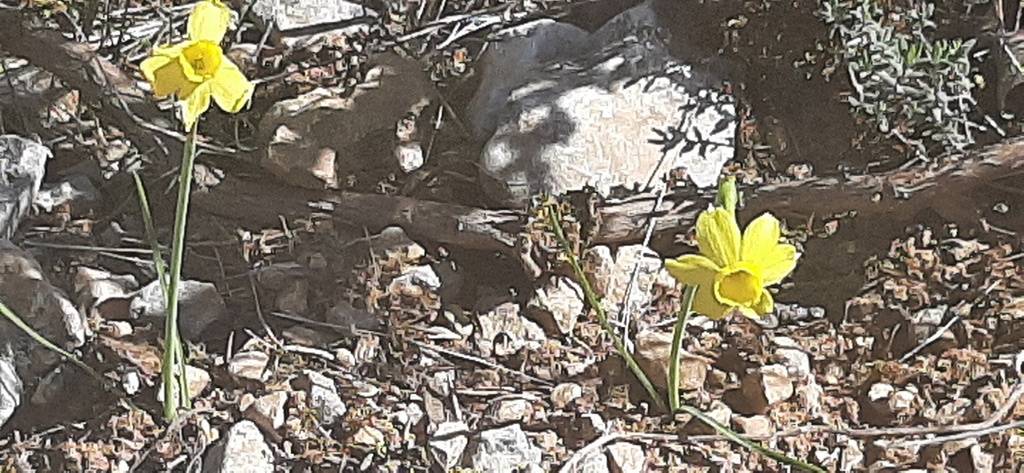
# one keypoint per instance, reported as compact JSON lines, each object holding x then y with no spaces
{"x":893,"y":198}
{"x":99,"y":81}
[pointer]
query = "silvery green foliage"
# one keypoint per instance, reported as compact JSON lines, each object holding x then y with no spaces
{"x":911,"y":87}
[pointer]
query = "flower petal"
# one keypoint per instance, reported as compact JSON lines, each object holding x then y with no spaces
{"x":718,"y":236}
{"x":696,"y":270}
{"x":231,"y":90}
{"x":163,"y":70}
{"x":209,"y":21}
{"x":760,"y":235}
{"x":764,"y":305}
{"x":777,"y":264}
{"x":761,"y":247}
{"x":195,"y":105}
{"x":691,"y":269}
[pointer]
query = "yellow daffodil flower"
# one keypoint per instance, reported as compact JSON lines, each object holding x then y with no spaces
{"x":732,"y":270}
{"x":196,"y":70}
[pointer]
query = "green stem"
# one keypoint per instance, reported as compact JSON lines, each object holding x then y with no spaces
{"x":749,"y":444}
{"x":555,"y":221}
{"x":677,"y":344}
{"x":154,"y":243}
{"x":176,"y":391}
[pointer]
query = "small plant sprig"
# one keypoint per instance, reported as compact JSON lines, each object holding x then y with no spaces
{"x":909,"y":86}
{"x":728,"y":199}
{"x":197,"y":72}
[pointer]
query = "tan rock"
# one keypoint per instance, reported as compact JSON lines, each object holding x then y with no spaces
{"x":625,"y":457}
{"x":312,"y":136}
{"x":653,"y":353}
{"x":267,"y":411}
{"x":758,"y":426}
{"x":565,"y":393}
{"x":198,"y":380}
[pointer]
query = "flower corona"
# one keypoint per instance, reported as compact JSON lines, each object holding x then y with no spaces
{"x":196,"y":70}
{"x":733,"y":270}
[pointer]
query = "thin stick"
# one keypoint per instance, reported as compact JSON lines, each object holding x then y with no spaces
{"x":462,"y":356}
{"x":259,"y":311}
{"x":935,"y":336}
{"x":154,"y":243}
{"x":959,"y":436}
{"x":625,"y":314}
{"x":69,"y":247}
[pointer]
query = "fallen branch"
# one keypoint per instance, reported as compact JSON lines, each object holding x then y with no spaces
{"x":891,"y":199}
{"x":98,"y":80}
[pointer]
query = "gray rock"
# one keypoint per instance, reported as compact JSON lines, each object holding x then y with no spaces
{"x":557,"y":304}
{"x":39,"y":304}
{"x":507,"y":411}
{"x":312,"y":136}
{"x":198,"y":380}
{"x":514,"y":55}
{"x":242,"y":450}
{"x":249,"y":365}
{"x":653,"y":353}
{"x":777,"y":384}
{"x":199,"y":301}
{"x":295,"y":14}
{"x":75,"y":189}
{"x":593,"y":462}
{"x":322,"y":396}
{"x":626,"y":23}
{"x":757,"y":426}
{"x":599,"y":266}
{"x":588,"y":120}
{"x":718,"y":411}
{"x":793,"y":357}
{"x":267,"y":411}
{"x":590,"y":124}
{"x":414,"y":280}
{"x":28,"y":89}
{"x":504,"y":331}
{"x":22,"y":166}
{"x":11,"y":388}
{"x":647,"y":266}
{"x":625,"y":457}
{"x":565,"y":393}
{"x":369,"y":436}
{"x":447,"y":444}
{"x":765,"y":387}
{"x":131,"y":382}
{"x":103,"y":293}
{"x":506,"y":450}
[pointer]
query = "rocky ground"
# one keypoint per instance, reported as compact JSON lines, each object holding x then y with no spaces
{"x":370,"y":288}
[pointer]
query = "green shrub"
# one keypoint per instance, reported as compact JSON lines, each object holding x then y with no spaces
{"x":911,"y":87}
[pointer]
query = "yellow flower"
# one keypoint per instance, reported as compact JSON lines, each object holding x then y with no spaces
{"x":196,"y":70}
{"x":732,"y":270}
